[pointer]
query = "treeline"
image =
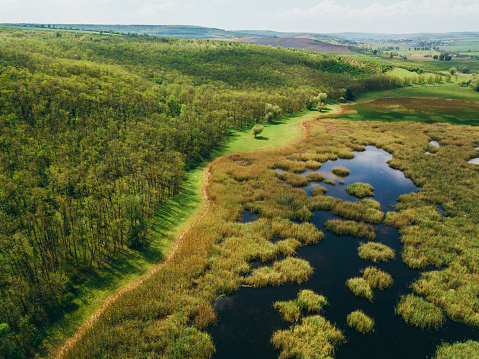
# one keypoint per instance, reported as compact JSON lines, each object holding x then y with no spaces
{"x":97,"y":131}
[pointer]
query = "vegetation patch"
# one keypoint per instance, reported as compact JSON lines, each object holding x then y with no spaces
{"x":307,"y":300}
{"x":287,"y":270}
{"x":290,"y":311}
{"x":293,"y":179}
{"x":319,"y":191}
{"x":377,"y":278}
{"x":360,"y":288}
{"x":360,"y":190}
{"x":341,"y":171}
{"x":351,"y":228}
{"x":360,"y":322}
{"x":315,"y":177}
{"x":368,"y":211}
{"x":313,"y":165}
{"x":314,"y":338}
{"x":330,"y":182}
{"x":464,"y":350}
{"x":375,"y":252}
{"x":420,"y":313}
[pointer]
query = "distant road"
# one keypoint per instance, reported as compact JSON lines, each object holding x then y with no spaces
{"x":299,"y":43}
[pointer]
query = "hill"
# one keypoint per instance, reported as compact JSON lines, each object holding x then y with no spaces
{"x":299,"y":43}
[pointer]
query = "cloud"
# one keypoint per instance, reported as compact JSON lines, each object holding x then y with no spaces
{"x":402,"y":9}
{"x":163,"y":7}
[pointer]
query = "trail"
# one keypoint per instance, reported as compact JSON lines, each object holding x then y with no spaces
{"x":70,"y":343}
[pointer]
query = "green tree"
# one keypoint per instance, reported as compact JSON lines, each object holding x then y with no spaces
{"x":257,"y":129}
{"x":271,"y":112}
{"x":321,"y":101}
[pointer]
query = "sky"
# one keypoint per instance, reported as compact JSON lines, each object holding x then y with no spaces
{"x":318,"y":16}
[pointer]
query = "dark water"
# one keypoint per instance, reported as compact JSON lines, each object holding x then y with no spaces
{"x":246,"y":319}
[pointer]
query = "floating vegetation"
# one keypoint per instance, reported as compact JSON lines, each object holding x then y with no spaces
{"x":420,"y":313}
{"x":314,"y":338}
{"x":375,"y":252}
{"x":330,"y":182}
{"x":360,"y":322}
{"x":465,"y":350}
{"x":341,"y":182}
{"x":288,"y":270}
{"x":306,"y":300}
{"x":313,"y":165}
{"x":376,"y":278}
{"x":368,"y":211}
{"x":315,"y":177}
{"x":350,"y":228}
{"x":341,"y":171}
{"x":319,"y":191}
{"x":290,"y":311}
{"x":360,"y":190}
{"x":293,"y":179}
{"x":360,"y":288}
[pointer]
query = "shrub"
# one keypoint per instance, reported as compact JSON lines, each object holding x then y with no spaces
{"x":420,"y":313}
{"x":376,"y":278}
{"x":360,"y":288}
{"x":340,"y":171}
{"x":360,"y":190}
{"x":375,"y":252}
{"x":350,"y":228}
{"x":360,"y":322}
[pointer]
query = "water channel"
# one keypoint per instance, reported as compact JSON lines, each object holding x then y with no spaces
{"x":246,"y":319}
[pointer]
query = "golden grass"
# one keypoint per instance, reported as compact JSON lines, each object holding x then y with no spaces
{"x":290,"y":311}
{"x":330,"y":182}
{"x":319,"y":191}
{"x":313,"y":165}
{"x":375,"y":252}
{"x":368,"y":211}
{"x":314,"y":338}
{"x":360,"y":288}
{"x":341,"y":171}
{"x":293,"y":179}
{"x":351,"y":228}
{"x":315,"y":177}
{"x":360,"y":190}
{"x":377,"y":278}
{"x":420,"y":313}
{"x":287,"y":270}
{"x":465,"y":350}
{"x":360,"y":322}
{"x":306,"y":300}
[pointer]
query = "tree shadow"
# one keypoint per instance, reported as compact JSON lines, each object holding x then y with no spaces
{"x":262,"y":138}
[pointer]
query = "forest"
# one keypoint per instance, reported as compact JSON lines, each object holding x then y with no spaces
{"x":96,"y":131}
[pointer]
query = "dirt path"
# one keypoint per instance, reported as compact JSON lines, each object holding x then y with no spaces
{"x":70,"y":343}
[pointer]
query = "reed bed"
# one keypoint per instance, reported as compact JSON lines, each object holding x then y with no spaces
{"x":360,"y":190}
{"x":293,"y":179}
{"x":314,"y":338}
{"x":465,"y":350}
{"x":420,"y":313}
{"x":367,"y":211}
{"x":319,"y":191}
{"x":330,"y":182}
{"x":290,"y":310}
{"x":360,"y":288}
{"x":341,"y":171}
{"x":287,"y":270}
{"x":315,"y":177}
{"x":375,"y":252}
{"x":306,"y":300}
{"x":351,"y":228}
{"x":377,"y":279}
{"x":360,"y":322}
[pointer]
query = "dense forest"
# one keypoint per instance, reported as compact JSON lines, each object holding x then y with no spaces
{"x":97,"y":131}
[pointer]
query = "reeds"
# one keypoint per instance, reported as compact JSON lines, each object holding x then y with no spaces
{"x":315,"y":177}
{"x":360,"y":190}
{"x":377,"y":278}
{"x":306,"y":300}
{"x":313,"y":165}
{"x":368,"y":211}
{"x":360,"y":322}
{"x":330,"y":182}
{"x":350,"y":228}
{"x":341,"y":171}
{"x":314,"y":338}
{"x":458,"y":350}
{"x":420,"y":313}
{"x":288,"y":270}
{"x":375,"y":252}
{"x":293,"y":179}
{"x":360,"y":288}
{"x":319,"y":191}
